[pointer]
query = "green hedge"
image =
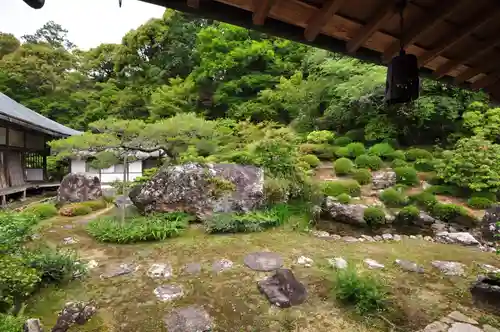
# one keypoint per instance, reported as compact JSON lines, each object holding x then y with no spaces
{"x":416,"y":153}
{"x":344,"y":198}
{"x":479,"y":203}
{"x":424,"y":199}
{"x":368,"y":161}
{"x":408,"y":214}
{"x":336,"y":188}
{"x":343,"y":166}
{"x":374,"y":216}
{"x":42,"y":210}
{"x":393,"y":198}
{"x":406,"y":175}
{"x":362,"y":175}
{"x":342,"y":141}
{"x":382,"y":150}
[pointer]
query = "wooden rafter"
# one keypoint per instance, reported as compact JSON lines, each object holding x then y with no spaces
{"x":321,"y":17}
{"x":429,"y":21}
{"x":486,"y":81}
{"x":463,"y":33}
{"x":261,"y":10}
{"x":490,"y":64}
{"x":383,"y":13}
{"x":193,"y":3}
{"x":484,"y":47}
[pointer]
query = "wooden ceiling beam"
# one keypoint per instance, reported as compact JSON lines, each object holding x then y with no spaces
{"x":486,"y":81}
{"x":431,"y":19}
{"x":483,"y":48}
{"x":490,"y":63}
{"x":193,"y":3}
{"x":382,"y":14}
{"x":321,"y":17}
{"x":261,"y":10}
{"x":480,"y":20}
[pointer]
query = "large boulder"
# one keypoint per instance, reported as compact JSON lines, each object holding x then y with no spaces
{"x":346,"y":213}
{"x":282,"y":289}
{"x":202,"y":189}
{"x":462,"y":238}
{"x":78,"y":187}
{"x":73,"y":313}
{"x":489,"y":228}
{"x":383,"y":179}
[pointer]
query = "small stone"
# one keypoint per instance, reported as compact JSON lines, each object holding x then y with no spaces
{"x":447,"y":320}
{"x":35,"y":236}
{"x":436,"y":326}
{"x":74,"y":313}
{"x":335,"y":237}
{"x":489,"y":268}
{"x":168,"y":292}
{"x":413,"y":237}
{"x":428,"y":238}
{"x":409,"y":266}
{"x":373,"y":264}
{"x":368,"y":238}
{"x":263,"y":261}
{"x":397,"y":237}
{"x":192,"y":268}
{"x":462,"y":327}
{"x":306,"y":261}
{"x":92,"y":264}
{"x":450,"y":268}
{"x":188,"y":319}
{"x":119,"y":270}
{"x":338,"y":263}
{"x":460,"y":317}
{"x":387,"y":236}
{"x":360,"y":239}
{"x":70,"y":240}
{"x":377,"y":238}
{"x":33,"y":325}
{"x":282,"y":289}
{"x":222,"y":265}
{"x":163,"y":271}
{"x":320,"y":234}
{"x":420,"y":237}
{"x":68,"y":226}
{"x":489,"y":328}
{"x":349,"y":239}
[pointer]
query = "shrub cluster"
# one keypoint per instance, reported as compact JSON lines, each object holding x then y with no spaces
{"x":445,"y":190}
{"x":311,"y":160}
{"x":408,"y":214}
{"x":374,"y":216}
{"x":382,"y":150}
{"x":424,"y":199}
{"x":369,"y":161}
{"x":399,"y":163}
{"x":343,"y":166}
{"x":448,"y":212}
{"x":424,"y":165}
{"x":362,"y":175}
{"x":336,"y":188}
{"x":153,"y":227}
{"x":393,"y":198}
{"x":342,"y":141}
{"x":344,"y":198}
{"x":479,"y":203}
{"x":407,"y":176}
{"x":355,"y":149}
{"x":42,"y":210}
{"x":82,"y":208}
{"x":397,"y":154}
{"x":320,"y":136}
{"x":15,"y":228}
{"x":416,"y":153}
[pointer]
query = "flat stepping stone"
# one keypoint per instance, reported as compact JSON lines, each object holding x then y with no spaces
{"x":167,"y":293}
{"x":338,"y":263}
{"x":160,"y":270}
{"x":463,"y":327}
{"x":222,"y":265}
{"x":188,"y":319}
{"x":373,"y":264}
{"x":70,"y":240}
{"x":450,"y":268}
{"x":409,"y":266}
{"x":119,"y":270}
{"x":263,"y":261}
{"x":192,"y":268}
{"x":282,"y":289}
{"x":460,"y":317}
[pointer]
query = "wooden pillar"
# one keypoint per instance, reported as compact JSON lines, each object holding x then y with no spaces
{"x":44,"y":162}
{"x":4,"y":201}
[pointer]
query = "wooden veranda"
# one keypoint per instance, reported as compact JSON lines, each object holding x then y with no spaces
{"x":455,"y":40}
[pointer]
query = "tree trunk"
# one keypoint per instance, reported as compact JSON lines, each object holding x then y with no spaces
{"x":125,"y":186}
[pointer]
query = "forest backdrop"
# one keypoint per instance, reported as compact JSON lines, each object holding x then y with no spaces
{"x":180,"y":63}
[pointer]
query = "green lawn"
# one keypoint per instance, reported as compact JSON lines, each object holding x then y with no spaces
{"x":127,"y":303}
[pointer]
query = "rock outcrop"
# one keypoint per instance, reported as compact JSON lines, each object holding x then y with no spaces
{"x":347,"y":213}
{"x":73,"y":313}
{"x":202,"y":189}
{"x":463,"y":238}
{"x":383,"y":179}
{"x":489,"y":228}
{"x":282,"y":289}
{"x":78,"y":187}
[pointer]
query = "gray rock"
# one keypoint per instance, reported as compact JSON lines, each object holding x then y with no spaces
{"x":436,"y":326}
{"x":383,"y":179}
{"x":489,"y":268}
{"x":349,"y":239}
{"x":78,"y":187}
{"x":335,"y":237}
{"x":119,"y":270}
{"x":192,"y":268}
{"x":409,"y":266}
{"x":320,"y":234}
{"x":462,"y":238}
{"x":338,"y":263}
{"x":123,"y":201}
{"x":373,"y":264}
{"x":283,"y":289}
{"x":360,"y":239}
{"x":306,"y":261}
{"x":346,"y":213}
{"x":74,"y":313}
{"x":462,"y":327}
{"x":428,"y":238}
{"x":167,"y":293}
{"x":420,"y":237}
{"x":489,"y":228}
{"x":439,"y":227}
{"x":377,"y":238}
{"x":486,"y":293}
{"x":396,"y":237}
{"x":160,"y":270}
{"x":387,"y":236}
{"x":188,"y":319}
{"x":32,"y":325}
{"x":489,"y":328}
{"x":196,"y":189}
{"x":69,"y":240}
{"x":450,"y":268}
{"x":460,"y":317}
{"x":263,"y":261}
{"x":222,"y":265}
{"x":368,"y":238}
{"x":413,"y":237}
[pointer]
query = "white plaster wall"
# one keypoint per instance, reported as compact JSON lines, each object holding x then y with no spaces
{"x":77,"y":166}
{"x":135,"y":170}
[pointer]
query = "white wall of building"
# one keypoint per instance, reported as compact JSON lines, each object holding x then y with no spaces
{"x":110,"y":174}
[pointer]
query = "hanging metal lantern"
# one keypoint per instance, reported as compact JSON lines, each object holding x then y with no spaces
{"x":403,"y":82}
{"x":37,"y":4}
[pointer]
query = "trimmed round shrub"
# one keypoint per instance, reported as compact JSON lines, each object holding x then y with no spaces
{"x":95,"y":205}
{"x":344,"y":198}
{"x":416,"y":153}
{"x":336,"y":188}
{"x":342,"y":141}
{"x":342,"y":152}
{"x":367,"y":161}
{"x":362,"y":175}
{"x":408,"y":213}
{"x":393,"y":198}
{"x":355,"y":149}
{"x":479,"y":203}
{"x":486,"y":194}
{"x":74,"y":209}
{"x":42,"y":210}
{"x":276,"y":190}
{"x":397,"y":154}
{"x":374,"y":216}
{"x":382,"y":150}
{"x":326,"y":152}
{"x":320,"y":136}
{"x":399,"y":163}
{"x":424,"y":165}
{"x":424,"y":199}
{"x":154,"y":227}
{"x":343,"y":166}
{"x":311,"y":159}
{"x":406,"y":175}
{"x":448,"y":212}
{"x":445,"y":190}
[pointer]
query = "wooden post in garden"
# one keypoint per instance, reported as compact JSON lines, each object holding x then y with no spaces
{"x":124,"y":191}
